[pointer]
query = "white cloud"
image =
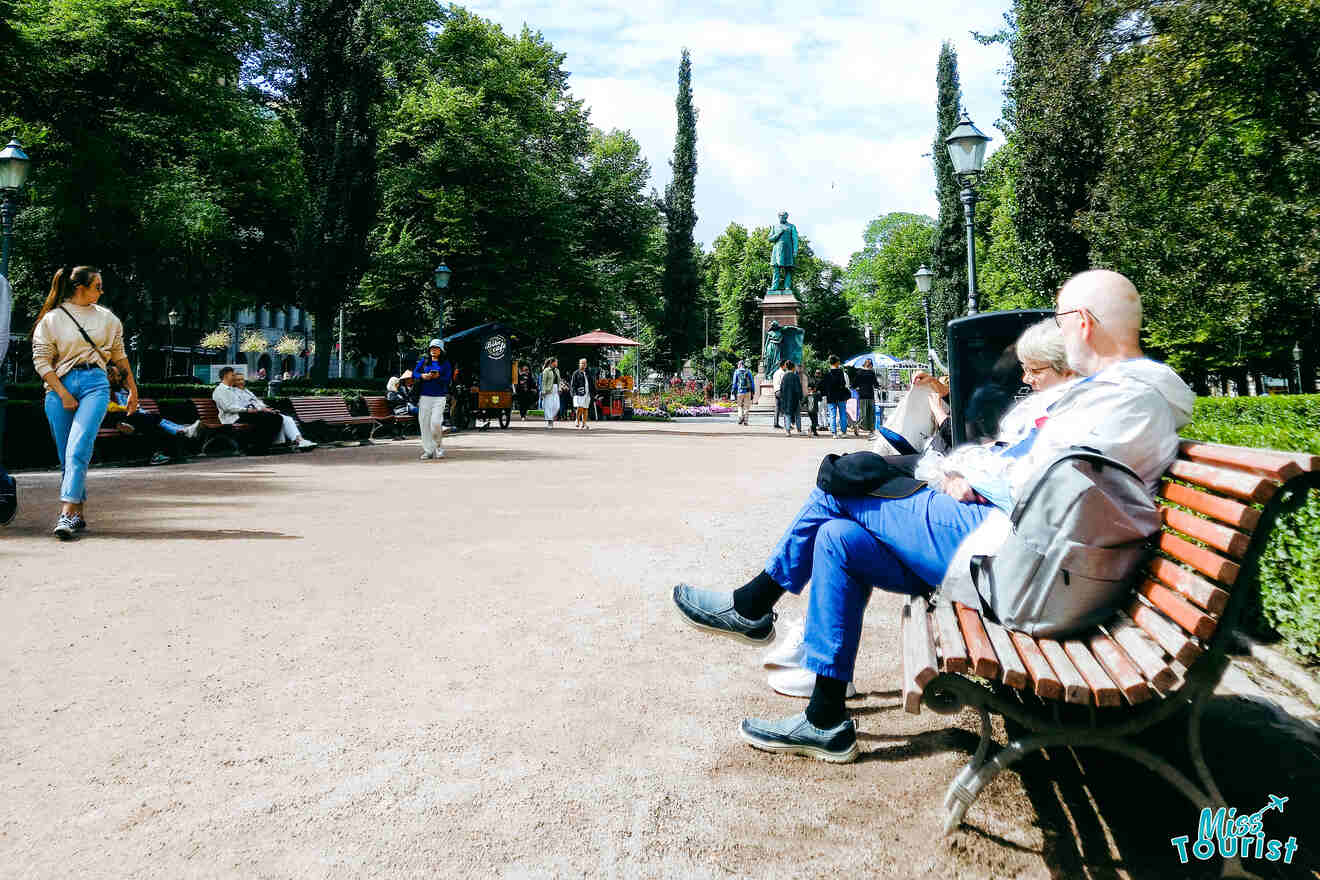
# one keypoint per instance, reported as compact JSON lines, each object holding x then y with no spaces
{"x":823,"y":109}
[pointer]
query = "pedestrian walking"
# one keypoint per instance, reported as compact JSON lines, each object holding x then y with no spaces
{"x":775,"y":380}
{"x":865,"y":382}
{"x":791,"y":391}
{"x":434,"y":374}
{"x":741,"y":391}
{"x":526,"y":389}
{"x":550,"y":382}
{"x":580,"y":387}
{"x":837,"y":395}
{"x":73,"y":341}
{"x":813,"y":401}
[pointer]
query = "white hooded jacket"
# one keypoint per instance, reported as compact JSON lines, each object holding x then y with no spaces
{"x":1131,"y":411}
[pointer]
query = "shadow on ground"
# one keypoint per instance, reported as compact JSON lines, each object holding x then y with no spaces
{"x":1092,"y":804}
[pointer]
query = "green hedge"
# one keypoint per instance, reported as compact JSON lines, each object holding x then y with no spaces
{"x":349,"y":388}
{"x":1290,"y":566}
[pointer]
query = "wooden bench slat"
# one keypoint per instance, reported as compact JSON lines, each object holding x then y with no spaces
{"x":1143,"y":651}
{"x":1044,"y":682}
{"x":209,"y":415}
{"x":1122,"y":671}
{"x":1221,"y":508}
{"x":1266,"y":463}
{"x":982,"y":653}
{"x":1075,"y":688}
{"x":1199,"y":558}
{"x":1189,"y":585}
{"x":952,"y":651}
{"x":919,"y":662}
{"x":1239,"y":484}
{"x":1230,"y":541}
{"x":1176,"y":643}
{"x":1178,"y":609}
{"x":1011,"y":670}
{"x":1103,"y":690}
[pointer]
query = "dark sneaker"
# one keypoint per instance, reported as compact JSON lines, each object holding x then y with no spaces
{"x":79,"y":524}
{"x":8,"y":500}
{"x":160,"y":458}
{"x":798,"y":736}
{"x":65,"y":528}
{"x":712,"y":611}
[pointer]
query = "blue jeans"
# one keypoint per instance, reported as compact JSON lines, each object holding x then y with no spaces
{"x":839,"y":417}
{"x":846,"y":546}
{"x":75,"y":430}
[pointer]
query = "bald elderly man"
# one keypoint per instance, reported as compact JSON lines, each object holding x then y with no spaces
{"x":1127,"y":407}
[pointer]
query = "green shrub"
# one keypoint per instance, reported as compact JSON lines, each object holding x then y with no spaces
{"x":1290,"y":565}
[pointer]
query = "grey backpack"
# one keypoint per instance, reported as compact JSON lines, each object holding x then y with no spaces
{"x":1079,"y":537}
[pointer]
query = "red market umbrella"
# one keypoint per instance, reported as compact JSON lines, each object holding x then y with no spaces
{"x":599,"y":337}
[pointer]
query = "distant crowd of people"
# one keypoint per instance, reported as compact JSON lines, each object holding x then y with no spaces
{"x":795,"y":391}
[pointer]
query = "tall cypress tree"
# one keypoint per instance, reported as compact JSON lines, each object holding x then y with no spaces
{"x":680,"y":325}
{"x":949,"y":249}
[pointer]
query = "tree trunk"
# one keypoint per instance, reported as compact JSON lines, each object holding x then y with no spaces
{"x":324,"y":338}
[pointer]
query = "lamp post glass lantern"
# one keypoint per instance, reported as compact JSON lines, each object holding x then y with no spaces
{"x":966,"y":146}
{"x":1297,"y":364}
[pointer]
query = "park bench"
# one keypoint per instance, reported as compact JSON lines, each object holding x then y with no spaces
{"x":326,"y":414}
{"x":209,"y":415}
{"x":1162,"y":654}
{"x":379,"y":409}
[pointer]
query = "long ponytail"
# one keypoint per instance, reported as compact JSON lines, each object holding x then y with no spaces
{"x":66,"y":280}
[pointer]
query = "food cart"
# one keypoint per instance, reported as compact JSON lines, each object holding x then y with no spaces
{"x":611,"y":391}
{"x":484,"y":374}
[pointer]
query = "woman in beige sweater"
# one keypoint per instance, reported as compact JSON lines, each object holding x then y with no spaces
{"x":73,"y":341}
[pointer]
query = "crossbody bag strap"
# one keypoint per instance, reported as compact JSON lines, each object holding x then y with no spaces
{"x":94,"y":346}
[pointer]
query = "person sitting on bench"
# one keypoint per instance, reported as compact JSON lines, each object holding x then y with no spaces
{"x":903,"y":536}
{"x":237,"y":404}
{"x":150,"y":425}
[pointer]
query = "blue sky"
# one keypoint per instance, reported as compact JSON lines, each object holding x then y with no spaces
{"x":822,"y":109}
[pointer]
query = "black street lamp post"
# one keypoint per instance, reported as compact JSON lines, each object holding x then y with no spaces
{"x":1297,"y":364}
{"x":924,"y":277}
{"x":14,"y":164}
{"x":173,"y":318}
{"x":966,"y":145}
{"x":442,"y":274}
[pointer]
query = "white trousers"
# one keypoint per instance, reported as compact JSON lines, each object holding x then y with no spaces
{"x":289,"y":432}
{"x":431,"y":422}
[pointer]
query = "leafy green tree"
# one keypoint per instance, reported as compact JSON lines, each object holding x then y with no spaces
{"x":825,"y":317}
{"x":680,"y":326}
{"x":948,"y":258}
{"x":879,"y":284}
{"x":739,"y":316}
{"x":1000,"y":268}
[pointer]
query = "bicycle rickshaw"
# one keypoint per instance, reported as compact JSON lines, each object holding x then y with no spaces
{"x":484,"y":374}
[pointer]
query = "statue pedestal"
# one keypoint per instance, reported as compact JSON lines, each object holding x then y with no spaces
{"x":781,"y":306}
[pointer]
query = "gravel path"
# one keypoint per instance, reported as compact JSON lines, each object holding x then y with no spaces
{"x":351,"y":663}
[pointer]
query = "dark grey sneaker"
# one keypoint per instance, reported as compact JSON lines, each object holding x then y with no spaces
{"x":798,"y":736}
{"x":713,"y":612}
{"x":79,"y":524}
{"x":66,"y":527}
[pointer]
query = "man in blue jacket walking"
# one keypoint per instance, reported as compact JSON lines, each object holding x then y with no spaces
{"x":741,"y":391}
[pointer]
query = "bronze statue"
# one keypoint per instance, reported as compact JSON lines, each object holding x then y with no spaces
{"x":785,"y":238}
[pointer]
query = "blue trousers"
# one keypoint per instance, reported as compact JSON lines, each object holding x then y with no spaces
{"x":839,"y":417}
{"x":75,"y":430}
{"x":847,"y":546}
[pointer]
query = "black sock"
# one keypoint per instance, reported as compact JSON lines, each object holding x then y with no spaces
{"x":754,"y":599}
{"x":826,"y":707}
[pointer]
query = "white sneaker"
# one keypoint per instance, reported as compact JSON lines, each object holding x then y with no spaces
{"x":439,"y":453}
{"x":304,"y":443}
{"x":191,"y":430}
{"x":789,"y":649}
{"x":426,"y":456}
{"x":799,"y":682}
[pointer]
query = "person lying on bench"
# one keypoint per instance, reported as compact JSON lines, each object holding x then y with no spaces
{"x":902,"y":537}
{"x":154,"y":427}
